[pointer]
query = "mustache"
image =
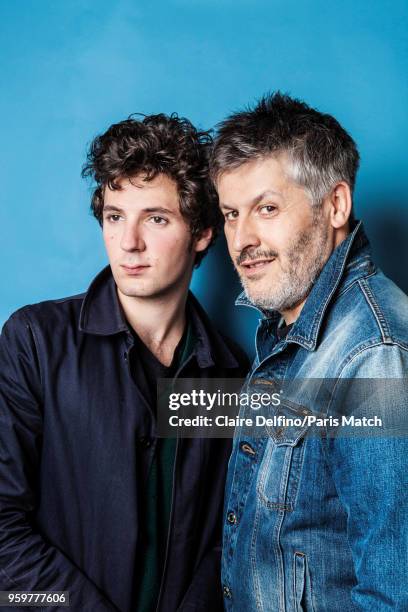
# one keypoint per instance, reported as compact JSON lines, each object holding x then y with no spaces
{"x":248,"y":254}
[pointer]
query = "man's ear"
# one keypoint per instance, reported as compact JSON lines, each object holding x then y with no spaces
{"x":204,"y":240}
{"x":340,"y":202}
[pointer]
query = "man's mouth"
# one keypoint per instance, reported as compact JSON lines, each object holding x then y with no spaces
{"x":255,"y":264}
{"x":134,"y":270}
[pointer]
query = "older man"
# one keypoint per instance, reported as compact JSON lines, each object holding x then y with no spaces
{"x":312,"y":522}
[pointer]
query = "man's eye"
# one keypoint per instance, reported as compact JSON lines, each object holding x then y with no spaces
{"x":268,"y":209}
{"x":231,"y":215}
{"x":158,"y":220}
{"x":113,"y":218}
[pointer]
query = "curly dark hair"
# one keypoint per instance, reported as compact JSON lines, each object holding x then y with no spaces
{"x":320,"y":150}
{"x":152,"y":145}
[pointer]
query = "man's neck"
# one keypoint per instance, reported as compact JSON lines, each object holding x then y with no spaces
{"x":159,"y":322}
{"x":291,"y":315}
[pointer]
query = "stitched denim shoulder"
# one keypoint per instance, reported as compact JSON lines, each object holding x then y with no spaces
{"x":371,"y":311}
{"x":389,"y":307}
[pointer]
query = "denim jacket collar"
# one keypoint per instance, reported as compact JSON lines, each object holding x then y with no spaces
{"x":102,"y":315}
{"x":339,"y":271}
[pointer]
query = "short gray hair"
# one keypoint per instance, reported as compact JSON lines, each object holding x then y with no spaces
{"x":321,"y":153}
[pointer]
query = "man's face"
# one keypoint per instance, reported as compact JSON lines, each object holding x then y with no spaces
{"x":149,"y":244}
{"x":277,"y":241}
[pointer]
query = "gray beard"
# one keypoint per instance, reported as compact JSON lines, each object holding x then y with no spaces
{"x":305,"y":259}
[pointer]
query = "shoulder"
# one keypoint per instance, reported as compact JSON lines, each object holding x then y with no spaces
{"x":373,"y":310}
{"x":51,"y":315}
{"x":389,"y":307}
{"x":367,"y":329}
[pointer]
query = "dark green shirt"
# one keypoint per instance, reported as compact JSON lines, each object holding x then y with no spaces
{"x":155,"y":510}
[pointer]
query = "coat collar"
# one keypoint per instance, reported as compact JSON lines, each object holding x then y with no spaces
{"x":338,"y":271}
{"x":101,"y":314}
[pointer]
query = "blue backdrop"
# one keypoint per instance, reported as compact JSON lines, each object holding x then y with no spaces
{"x":70,"y":69}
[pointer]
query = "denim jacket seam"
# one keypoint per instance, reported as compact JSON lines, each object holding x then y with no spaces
{"x":338,"y":272}
{"x":377,"y":311}
{"x":234,"y":457}
{"x":344,"y":289}
{"x":358,"y":263}
{"x":401,"y":345}
{"x":360,"y":349}
{"x":257,"y":361}
{"x":347,"y":288}
{"x":355,"y":353}
{"x":253,"y":558}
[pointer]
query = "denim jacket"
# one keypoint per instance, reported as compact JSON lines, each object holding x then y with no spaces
{"x":321,"y":522}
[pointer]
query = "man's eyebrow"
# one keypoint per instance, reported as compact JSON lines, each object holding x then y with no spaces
{"x":266,"y":194}
{"x":152,"y":209}
{"x":226,"y":207}
{"x":110,"y":208}
{"x":256,"y":199}
{"x":159,"y":209}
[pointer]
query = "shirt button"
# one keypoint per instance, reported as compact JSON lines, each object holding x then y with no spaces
{"x":145,"y":442}
{"x":227,"y":591}
{"x":232,"y":518}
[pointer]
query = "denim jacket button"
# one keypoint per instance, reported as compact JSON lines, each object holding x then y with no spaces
{"x":247,"y":448}
{"x":232,"y":518}
{"x":227,"y":591}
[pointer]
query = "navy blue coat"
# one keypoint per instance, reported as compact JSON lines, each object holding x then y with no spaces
{"x":76,"y":443}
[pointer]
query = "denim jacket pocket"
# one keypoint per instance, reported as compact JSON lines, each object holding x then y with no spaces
{"x":280,"y":470}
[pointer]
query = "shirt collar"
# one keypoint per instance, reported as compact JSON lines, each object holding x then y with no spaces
{"x":337,"y":270}
{"x":211,"y":347}
{"x":101,"y":314}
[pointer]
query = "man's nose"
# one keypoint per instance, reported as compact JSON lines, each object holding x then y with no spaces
{"x":132,"y":238}
{"x":244,"y":236}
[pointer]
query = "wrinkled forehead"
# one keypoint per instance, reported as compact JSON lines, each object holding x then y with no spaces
{"x":256,"y":179}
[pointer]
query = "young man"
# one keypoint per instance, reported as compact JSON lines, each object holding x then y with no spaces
{"x":317,"y":523}
{"x":91,"y":502}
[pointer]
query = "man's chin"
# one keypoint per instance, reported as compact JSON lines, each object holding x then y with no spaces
{"x":257,"y":299}
{"x":256,"y":295}
{"x":130,"y":290}
{"x":145,"y":291}
{"x":275,"y":303}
